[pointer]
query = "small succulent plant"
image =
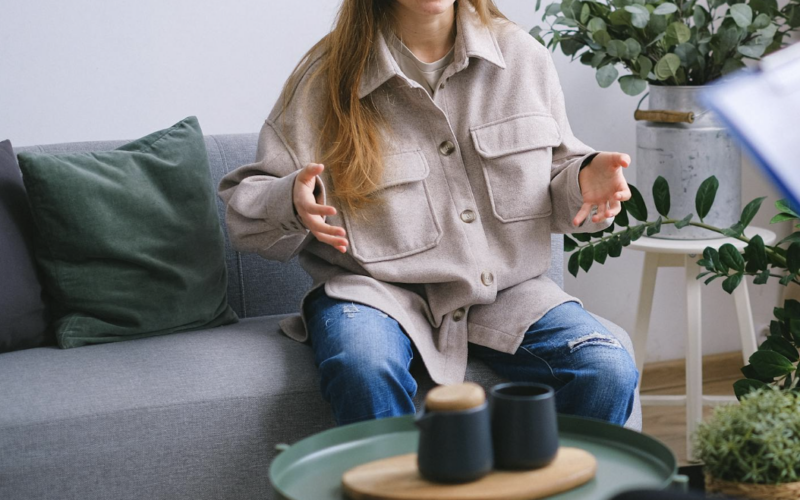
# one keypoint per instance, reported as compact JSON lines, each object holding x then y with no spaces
{"x":755,"y":441}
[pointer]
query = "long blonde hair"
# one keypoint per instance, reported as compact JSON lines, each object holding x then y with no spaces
{"x":349,"y":139}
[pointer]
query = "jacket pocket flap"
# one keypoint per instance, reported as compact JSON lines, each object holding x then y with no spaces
{"x":403,"y":167}
{"x":516,"y":133}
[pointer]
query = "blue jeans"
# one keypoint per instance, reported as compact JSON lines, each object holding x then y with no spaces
{"x":363,"y":356}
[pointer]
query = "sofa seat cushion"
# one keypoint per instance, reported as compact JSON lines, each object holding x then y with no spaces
{"x":189,"y":415}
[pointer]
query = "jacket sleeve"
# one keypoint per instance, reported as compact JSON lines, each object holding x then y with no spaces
{"x":260,"y":212}
{"x":568,"y":158}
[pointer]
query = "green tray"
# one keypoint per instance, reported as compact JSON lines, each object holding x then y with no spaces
{"x":312,"y":468}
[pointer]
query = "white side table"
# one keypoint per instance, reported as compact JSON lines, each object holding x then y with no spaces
{"x":660,"y":252}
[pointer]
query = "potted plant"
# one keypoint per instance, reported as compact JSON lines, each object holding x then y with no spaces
{"x":674,"y":48}
{"x":774,"y":363}
{"x":752,"y":450}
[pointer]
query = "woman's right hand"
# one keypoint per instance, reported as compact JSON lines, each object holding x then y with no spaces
{"x":311,"y":212}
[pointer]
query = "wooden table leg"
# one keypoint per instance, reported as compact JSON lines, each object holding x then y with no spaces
{"x":646,"y":290}
{"x":746,"y":329}
{"x":694,"y":353}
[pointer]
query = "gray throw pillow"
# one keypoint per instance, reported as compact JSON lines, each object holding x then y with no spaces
{"x":23,"y":312}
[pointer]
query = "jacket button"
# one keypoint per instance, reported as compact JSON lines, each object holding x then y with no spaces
{"x":487,"y":278}
{"x":468,"y":216}
{"x":458,"y":314}
{"x":446,"y":148}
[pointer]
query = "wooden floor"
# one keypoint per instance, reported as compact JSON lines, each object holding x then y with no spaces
{"x":668,"y":423}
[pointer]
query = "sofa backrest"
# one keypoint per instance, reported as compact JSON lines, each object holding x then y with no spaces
{"x":256,"y":286}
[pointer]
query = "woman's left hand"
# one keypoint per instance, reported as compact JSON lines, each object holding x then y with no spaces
{"x":602,"y":184}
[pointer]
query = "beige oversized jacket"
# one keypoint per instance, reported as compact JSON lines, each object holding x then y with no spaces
{"x":477,"y":178}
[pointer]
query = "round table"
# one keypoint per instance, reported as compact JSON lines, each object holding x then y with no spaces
{"x":661,"y":252}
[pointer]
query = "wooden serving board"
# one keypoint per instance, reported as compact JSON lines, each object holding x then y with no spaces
{"x":398,"y":478}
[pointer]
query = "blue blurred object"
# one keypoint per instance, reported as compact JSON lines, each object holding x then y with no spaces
{"x":760,"y":106}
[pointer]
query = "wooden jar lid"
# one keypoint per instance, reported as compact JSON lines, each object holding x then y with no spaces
{"x":455,"y":397}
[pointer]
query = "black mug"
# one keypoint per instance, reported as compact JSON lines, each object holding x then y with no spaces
{"x":455,"y":446}
{"x":524,"y":425}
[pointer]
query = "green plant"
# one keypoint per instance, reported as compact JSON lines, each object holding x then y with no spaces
{"x":756,"y":441}
{"x":774,"y":361}
{"x":666,"y":43}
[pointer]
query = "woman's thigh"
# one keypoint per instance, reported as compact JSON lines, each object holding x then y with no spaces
{"x":572,"y":351}
{"x":363,"y":356}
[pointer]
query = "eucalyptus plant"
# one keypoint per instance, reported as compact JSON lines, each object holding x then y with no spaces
{"x":663,"y":42}
{"x":774,"y":361}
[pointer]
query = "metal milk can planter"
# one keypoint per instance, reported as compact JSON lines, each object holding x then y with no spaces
{"x":684,"y":143}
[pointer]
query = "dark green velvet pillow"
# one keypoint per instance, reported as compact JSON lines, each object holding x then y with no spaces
{"x":128,"y":241}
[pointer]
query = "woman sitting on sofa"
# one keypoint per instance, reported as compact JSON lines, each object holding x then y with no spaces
{"x":418,"y":160}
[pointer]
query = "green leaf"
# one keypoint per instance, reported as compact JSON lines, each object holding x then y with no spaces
{"x":637,"y":231}
{"x":639,"y":15}
{"x":606,"y":75}
{"x":635,"y":205}
{"x":621,"y":219}
{"x":756,"y":254}
{"x":762,"y":277}
{"x":793,"y":258}
{"x":709,"y":280}
{"x":587,"y":257}
{"x":742,"y":14}
{"x":582,"y":237}
{"x":743,"y":386}
{"x":600,"y":252}
{"x":750,"y":372}
{"x":572,"y":264}
{"x":614,"y":247}
{"x":617,"y":48}
{"x":645,"y":65}
{"x":731,"y":257}
{"x":734,"y":231}
{"x":731,"y":282}
{"x":667,"y":66}
{"x":552,"y":10}
{"x":700,"y":16}
{"x":718,"y":264}
{"x":625,"y":237}
{"x":687,"y":53}
{"x":761,"y":21}
{"x":665,"y":8}
{"x":751,"y":209}
{"x":770,"y":364}
{"x":602,"y":37}
{"x":752,"y":50}
{"x":569,"y":244}
{"x":584,"y":15}
{"x":654,"y":228}
{"x":661,"y":195}
{"x":783,"y":206}
{"x":684,"y":222}
{"x":791,"y":309}
{"x":791,"y":238}
{"x":705,"y":196}
{"x":677,"y":32}
{"x":609,"y":229}
{"x":596,"y":24}
{"x":632,"y":85}
{"x":781,"y":218}
{"x":634,"y":48}
{"x":732,"y":65}
{"x":780,"y":345}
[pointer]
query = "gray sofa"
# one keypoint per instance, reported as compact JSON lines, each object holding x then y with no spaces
{"x":192,"y":415}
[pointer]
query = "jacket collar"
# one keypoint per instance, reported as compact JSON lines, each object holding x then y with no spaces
{"x":473,"y":39}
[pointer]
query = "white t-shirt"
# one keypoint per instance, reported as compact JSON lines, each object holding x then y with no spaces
{"x":426,"y":74}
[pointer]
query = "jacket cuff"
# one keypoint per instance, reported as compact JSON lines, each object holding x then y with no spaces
{"x":282,"y":213}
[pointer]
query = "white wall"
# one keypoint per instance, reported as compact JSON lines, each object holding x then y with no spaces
{"x":92,"y":70}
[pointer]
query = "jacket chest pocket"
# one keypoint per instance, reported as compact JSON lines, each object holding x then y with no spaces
{"x":516,"y":155}
{"x":403,"y":222}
